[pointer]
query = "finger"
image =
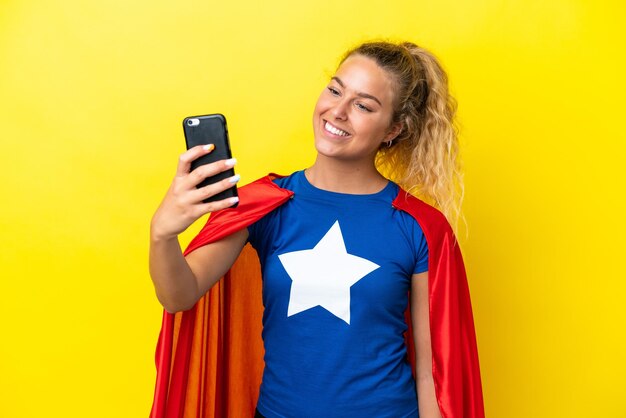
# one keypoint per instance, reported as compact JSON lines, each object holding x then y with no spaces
{"x":205,"y":208}
{"x":186,"y":158}
{"x":209,"y":170}
{"x":210,"y":190}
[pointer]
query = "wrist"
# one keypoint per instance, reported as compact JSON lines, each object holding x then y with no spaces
{"x":158,"y":236}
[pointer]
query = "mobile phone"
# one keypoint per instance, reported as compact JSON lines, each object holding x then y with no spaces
{"x":210,"y":129}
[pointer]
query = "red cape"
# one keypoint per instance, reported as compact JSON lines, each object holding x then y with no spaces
{"x":210,"y":358}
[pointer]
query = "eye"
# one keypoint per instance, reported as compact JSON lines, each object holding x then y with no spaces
{"x":333,"y":91}
{"x":362,"y":107}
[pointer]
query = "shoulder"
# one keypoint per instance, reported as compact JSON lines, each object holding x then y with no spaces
{"x":430,"y":219}
{"x":268,"y":185}
{"x":288,"y":182}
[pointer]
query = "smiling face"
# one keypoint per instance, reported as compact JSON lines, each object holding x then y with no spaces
{"x":353,"y":114}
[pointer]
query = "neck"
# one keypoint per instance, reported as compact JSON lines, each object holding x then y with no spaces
{"x":345,"y":176}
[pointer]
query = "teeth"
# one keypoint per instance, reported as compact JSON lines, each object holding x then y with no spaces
{"x":330,"y":128}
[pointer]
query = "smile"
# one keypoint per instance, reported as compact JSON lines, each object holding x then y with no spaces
{"x":334,"y":130}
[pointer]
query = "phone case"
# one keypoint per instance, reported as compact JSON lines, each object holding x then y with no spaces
{"x":210,"y":129}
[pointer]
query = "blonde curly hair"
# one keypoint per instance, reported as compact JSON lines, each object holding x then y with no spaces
{"x":424,"y":157}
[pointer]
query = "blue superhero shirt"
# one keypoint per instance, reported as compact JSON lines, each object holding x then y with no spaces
{"x":336,"y":275}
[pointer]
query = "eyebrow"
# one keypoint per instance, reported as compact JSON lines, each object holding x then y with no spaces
{"x":360,"y":94}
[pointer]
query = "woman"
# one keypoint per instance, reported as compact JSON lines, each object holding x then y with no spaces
{"x":340,"y":248}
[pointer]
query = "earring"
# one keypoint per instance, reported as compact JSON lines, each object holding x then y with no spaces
{"x":389,"y":143}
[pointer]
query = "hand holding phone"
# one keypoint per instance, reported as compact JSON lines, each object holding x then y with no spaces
{"x":204,"y":181}
{"x":210,"y":129}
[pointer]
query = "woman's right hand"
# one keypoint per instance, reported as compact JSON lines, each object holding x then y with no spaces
{"x":183,"y":203}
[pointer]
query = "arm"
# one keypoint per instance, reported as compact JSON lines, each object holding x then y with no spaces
{"x":180,"y":282}
{"x":426,"y":397}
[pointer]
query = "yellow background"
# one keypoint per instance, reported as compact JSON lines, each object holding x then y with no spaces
{"x":92,"y":97}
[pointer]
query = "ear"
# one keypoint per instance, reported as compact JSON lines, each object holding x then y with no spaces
{"x":393,"y":132}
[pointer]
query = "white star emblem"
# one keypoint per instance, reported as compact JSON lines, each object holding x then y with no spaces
{"x":323,"y":276}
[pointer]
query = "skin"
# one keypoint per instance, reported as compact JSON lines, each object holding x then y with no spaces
{"x":359,"y":101}
{"x":420,"y":317}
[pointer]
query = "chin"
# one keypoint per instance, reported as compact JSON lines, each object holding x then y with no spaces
{"x":325,"y":148}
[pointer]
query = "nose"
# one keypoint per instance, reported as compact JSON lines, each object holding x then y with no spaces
{"x":340,"y":109}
